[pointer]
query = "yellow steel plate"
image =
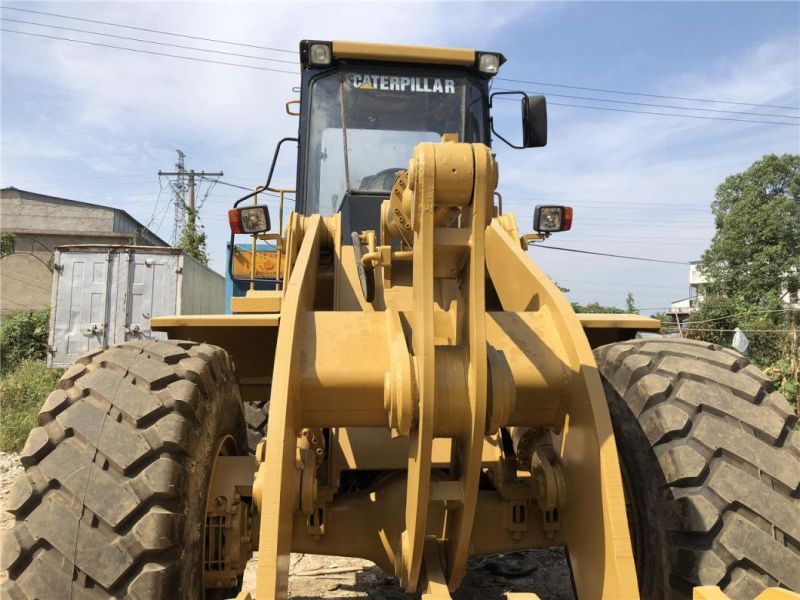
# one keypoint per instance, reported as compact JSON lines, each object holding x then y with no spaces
{"x":621,"y":321}
{"x":266,"y":263}
{"x":257,"y":320}
{"x":397,"y":53}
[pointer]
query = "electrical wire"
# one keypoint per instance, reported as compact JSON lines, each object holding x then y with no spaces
{"x":650,"y":112}
{"x":655,"y":260}
{"x":133,"y":39}
{"x":205,"y":60}
{"x":747,"y":313}
{"x":695,"y":108}
{"x":512,"y":80}
{"x":689,"y":329}
{"x":193,"y":37}
{"x":628,"y":93}
{"x":253,"y":67}
{"x":155,"y":207}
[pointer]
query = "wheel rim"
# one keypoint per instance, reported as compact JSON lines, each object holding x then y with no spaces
{"x":634,"y":517}
{"x":225,"y":446}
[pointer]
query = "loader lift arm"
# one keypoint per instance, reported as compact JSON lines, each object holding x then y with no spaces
{"x":443,"y":367}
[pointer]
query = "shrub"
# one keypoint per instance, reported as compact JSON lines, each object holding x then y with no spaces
{"x":713,"y":321}
{"x":22,"y":393}
{"x":23,"y":336}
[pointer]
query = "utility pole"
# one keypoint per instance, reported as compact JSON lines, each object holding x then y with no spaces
{"x":183,"y":193}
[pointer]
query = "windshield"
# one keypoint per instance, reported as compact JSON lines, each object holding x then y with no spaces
{"x":364,"y":125}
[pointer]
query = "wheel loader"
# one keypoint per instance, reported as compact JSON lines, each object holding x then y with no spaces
{"x":413,"y":391}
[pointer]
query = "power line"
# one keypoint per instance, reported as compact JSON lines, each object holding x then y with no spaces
{"x":193,"y":37}
{"x":714,"y":110}
{"x":286,"y":51}
{"x":628,"y":93}
{"x":133,"y":39}
{"x":630,"y":284}
{"x":747,"y":313}
{"x":218,"y":62}
{"x":205,"y":60}
{"x":686,"y":329}
{"x":233,"y":185}
{"x":655,"y":260}
{"x":660,"y":114}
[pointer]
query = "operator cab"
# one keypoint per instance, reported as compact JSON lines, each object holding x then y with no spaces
{"x":364,"y":107}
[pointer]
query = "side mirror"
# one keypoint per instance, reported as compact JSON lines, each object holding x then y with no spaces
{"x":534,"y":121}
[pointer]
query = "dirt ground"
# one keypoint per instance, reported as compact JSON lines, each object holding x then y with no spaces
{"x":314,"y":577}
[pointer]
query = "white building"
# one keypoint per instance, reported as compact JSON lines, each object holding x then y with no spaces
{"x":698,"y":284}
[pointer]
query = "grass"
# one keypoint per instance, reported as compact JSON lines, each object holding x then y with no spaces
{"x":22,"y":393}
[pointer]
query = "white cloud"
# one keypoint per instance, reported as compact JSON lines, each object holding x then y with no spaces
{"x":98,"y":112}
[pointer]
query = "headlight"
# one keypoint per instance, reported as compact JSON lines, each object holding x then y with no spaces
{"x":253,"y":219}
{"x":489,"y":64}
{"x":319,"y":54}
{"x":547,"y":219}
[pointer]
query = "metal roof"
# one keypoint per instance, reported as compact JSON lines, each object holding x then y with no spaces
{"x":140,"y":229}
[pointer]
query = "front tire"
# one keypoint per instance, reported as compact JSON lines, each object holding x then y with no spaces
{"x":112,"y":501}
{"x":711,"y":467}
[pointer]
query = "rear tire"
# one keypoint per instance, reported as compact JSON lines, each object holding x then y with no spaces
{"x":112,"y":501}
{"x":711,"y":468}
{"x":256,"y":414}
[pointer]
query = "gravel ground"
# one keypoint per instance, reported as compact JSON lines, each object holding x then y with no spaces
{"x":9,"y":469}
{"x":548,"y":574}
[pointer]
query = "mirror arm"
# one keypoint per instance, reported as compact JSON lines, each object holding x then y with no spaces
{"x":271,"y":171}
{"x":258,"y":190}
{"x":491,"y":120}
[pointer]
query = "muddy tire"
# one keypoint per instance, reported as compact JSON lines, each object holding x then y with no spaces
{"x":112,"y":501}
{"x":711,"y":466}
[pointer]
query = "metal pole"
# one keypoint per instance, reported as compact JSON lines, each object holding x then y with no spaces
{"x":191,"y":193}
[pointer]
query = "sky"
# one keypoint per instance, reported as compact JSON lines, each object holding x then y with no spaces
{"x":96,"y":124}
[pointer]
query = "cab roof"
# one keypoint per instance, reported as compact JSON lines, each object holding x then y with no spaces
{"x":396,"y":53}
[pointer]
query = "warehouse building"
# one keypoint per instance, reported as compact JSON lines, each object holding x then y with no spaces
{"x":32,"y":225}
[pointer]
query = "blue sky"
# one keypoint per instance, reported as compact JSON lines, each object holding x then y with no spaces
{"x":96,"y":124}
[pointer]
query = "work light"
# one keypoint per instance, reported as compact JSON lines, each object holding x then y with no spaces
{"x":547,"y":219}
{"x":319,"y":55}
{"x":489,"y":64}
{"x":252,"y":219}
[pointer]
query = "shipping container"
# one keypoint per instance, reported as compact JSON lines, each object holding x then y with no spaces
{"x":105,"y":295}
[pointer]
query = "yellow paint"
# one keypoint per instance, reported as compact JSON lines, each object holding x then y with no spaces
{"x":596,"y":320}
{"x":166,"y":323}
{"x":266,"y":264}
{"x":257,"y":301}
{"x":398,"y":53}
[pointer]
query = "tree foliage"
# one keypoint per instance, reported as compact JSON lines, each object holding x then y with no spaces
{"x":757,"y":243}
{"x":23,"y":336}
{"x":596,"y":307}
{"x":630,"y":304}
{"x":6,"y":244}
{"x":193,"y":237}
{"x":22,"y":393}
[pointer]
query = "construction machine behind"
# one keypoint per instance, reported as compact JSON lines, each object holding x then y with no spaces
{"x":413,"y":391}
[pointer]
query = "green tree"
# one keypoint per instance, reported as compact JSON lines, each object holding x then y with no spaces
{"x":757,"y":243}
{"x":668,"y":322}
{"x":193,"y":237}
{"x":630,"y":304}
{"x":6,"y":244}
{"x":23,"y":336}
{"x":713,"y":321}
{"x":596,"y":307}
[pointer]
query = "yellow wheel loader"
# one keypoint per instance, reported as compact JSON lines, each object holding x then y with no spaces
{"x":413,"y":391}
